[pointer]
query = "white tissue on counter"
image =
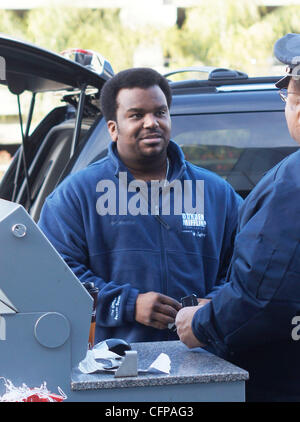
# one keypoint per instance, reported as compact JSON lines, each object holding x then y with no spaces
{"x":100,"y":359}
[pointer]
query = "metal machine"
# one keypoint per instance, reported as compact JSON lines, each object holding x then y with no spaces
{"x":45,"y":312}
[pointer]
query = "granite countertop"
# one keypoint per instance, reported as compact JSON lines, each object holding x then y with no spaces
{"x":187,"y":367}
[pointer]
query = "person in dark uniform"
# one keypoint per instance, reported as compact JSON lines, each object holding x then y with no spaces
{"x":254,"y":320}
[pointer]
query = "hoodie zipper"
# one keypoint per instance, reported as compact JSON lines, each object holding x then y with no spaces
{"x":163,"y":256}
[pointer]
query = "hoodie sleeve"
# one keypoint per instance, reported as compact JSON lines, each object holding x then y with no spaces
{"x":61,"y":222}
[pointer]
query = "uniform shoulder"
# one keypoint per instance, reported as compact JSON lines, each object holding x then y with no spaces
{"x":287,"y":166}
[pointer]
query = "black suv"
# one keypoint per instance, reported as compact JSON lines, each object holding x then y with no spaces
{"x":229,"y":123}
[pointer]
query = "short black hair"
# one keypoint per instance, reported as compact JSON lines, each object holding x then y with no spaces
{"x":137,"y":77}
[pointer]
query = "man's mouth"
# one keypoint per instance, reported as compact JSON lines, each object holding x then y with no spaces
{"x":152,"y":137}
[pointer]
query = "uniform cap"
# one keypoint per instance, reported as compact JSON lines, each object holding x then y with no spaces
{"x":287,"y":50}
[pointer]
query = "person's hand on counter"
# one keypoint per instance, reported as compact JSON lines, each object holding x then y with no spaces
{"x":156,"y":310}
{"x":183,"y":324}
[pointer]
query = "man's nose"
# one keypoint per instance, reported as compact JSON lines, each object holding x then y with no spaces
{"x":150,"y":121}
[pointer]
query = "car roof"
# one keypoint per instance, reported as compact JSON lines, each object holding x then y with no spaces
{"x":217,"y":93}
{"x":28,"y":67}
{"x":248,"y":101}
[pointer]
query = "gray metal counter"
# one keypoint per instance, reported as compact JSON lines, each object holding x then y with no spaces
{"x":195,"y":376}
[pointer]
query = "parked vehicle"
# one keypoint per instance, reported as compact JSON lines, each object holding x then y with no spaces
{"x":228,"y":122}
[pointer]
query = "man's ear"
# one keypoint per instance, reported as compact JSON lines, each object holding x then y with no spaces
{"x":113,"y":130}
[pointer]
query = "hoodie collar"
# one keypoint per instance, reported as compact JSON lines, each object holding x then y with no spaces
{"x":175,"y":154}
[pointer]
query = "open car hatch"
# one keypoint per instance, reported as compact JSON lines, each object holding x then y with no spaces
{"x":77,"y":75}
{"x":32,"y":68}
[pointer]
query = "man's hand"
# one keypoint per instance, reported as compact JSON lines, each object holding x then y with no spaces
{"x":183,"y":324}
{"x":156,"y":310}
{"x":203,"y":302}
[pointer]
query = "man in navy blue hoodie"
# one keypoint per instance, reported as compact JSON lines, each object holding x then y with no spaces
{"x":254,"y":321}
{"x":112,"y":231}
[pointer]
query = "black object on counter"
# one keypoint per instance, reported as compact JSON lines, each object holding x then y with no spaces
{"x":93,"y":291}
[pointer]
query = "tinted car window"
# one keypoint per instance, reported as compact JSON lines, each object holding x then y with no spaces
{"x":240,"y":147}
{"x":234,"y":145}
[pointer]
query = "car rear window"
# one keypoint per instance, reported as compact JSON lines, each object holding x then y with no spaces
{"x":240,"y":147}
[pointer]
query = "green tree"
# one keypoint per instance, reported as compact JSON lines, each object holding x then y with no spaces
{"x":228,"y":33}
{"x":94,"y":29}
{"x":215,"y":34}
{"x":12,"y":24}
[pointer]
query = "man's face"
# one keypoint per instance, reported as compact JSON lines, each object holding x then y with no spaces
{"x":292,"y":110}
{"x":143,"y":126}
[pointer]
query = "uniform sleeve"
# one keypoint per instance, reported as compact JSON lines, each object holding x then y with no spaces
{"x":233,"y":204}
{"x":61,"y":221}
{"x":263,"y":290}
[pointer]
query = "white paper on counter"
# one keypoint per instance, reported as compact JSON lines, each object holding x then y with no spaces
{"x":161,"y":364}
{"x":111,"y":361}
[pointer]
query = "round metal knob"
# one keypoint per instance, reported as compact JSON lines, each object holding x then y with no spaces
{"x":19,"y":230}
{"x":52,"y":329}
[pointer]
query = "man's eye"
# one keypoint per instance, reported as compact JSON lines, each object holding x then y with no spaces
{"x":161,"y":112}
